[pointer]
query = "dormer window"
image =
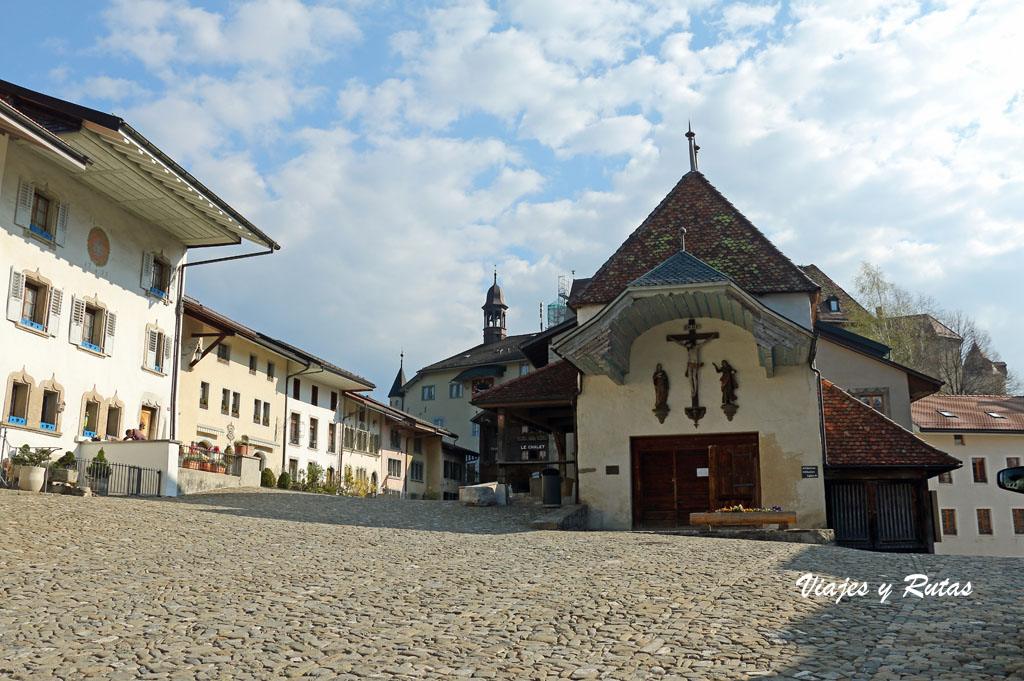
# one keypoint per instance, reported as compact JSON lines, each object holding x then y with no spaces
{"x":832,"y":304}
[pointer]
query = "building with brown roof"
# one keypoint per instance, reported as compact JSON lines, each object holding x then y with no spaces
{"x":987,"y":433}
{"x":688,"y":383}
{"x":440,"y":392}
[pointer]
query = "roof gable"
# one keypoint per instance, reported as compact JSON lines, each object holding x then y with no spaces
{"x":716,"y":233}
{"x":857,"y":435}
{"x":830,"y":289}
{"x":505,"y":350}
{"x":681,"y":268}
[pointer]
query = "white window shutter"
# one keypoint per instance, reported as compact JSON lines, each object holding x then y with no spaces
{"x":147,"y":270}
{"x":56,"y":304}
{"x":77,"y":327}
{"x":108,"y":334}
{"x":152,"y":340}
{"x":61,"y":231}
{"x":166,"y":366}
{"x":23,"y":211}
{"x":16,"y":296}
{"x":172,"y":282}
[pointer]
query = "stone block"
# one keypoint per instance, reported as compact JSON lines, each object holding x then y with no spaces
{"x":477,"y":495}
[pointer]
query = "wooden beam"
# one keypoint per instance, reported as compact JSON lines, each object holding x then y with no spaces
{"x":220,"y":338}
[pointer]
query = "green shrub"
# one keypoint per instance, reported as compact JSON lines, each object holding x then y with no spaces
{"x":66,"y":461}
{"x":99,"y":468}
{"x":330,"y":488}
{"x":26,"y":456}
{"x":267,"y":478}
{"x":314,"y":474}
{"x":284,"y":481}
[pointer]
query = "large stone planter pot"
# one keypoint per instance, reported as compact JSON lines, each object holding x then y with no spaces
{"x":30,"y":478}
{"x":68,"y":475}
{"x":242,"y":450}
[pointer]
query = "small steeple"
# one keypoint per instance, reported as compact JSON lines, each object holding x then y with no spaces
{"x":693,"y":147}
{"x":494,"y":313}
{"x":397,"y":390}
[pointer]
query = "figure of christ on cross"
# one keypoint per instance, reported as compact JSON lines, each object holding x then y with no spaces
{"x":693,"y":341}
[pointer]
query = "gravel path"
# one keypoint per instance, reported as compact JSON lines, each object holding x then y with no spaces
{"x":268,"y":585}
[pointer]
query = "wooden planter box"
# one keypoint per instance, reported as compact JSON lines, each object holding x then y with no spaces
{"x":732,"y":519}
{"x":205,"y":466}
{"x":194,"y":465}
{"x":220,"y":468}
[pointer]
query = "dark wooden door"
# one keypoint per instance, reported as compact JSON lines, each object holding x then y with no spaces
{"x":676,"y":476}
{"x":878,"y":515}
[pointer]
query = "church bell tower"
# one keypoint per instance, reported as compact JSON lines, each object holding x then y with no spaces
{"x":494,"y":314}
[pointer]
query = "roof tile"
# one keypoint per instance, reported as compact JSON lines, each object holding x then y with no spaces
{"x":716,"y":233}
{"x":857,"y":435}
{"x":556,"y":381}
{"x":971,"y":413}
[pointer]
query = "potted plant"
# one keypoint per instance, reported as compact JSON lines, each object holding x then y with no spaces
{"x":64,"y":469}
{"x":219,"y":467}
{"x":31,"y":467}
{"x":99,"y":472}
{"x":204,"y":403}
{"x":192,"y":462}
{"x":241,"y":448}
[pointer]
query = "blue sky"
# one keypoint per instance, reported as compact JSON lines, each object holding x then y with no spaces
{"x":399,"y":151}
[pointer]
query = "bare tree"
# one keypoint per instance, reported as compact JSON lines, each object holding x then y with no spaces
{"x":945,"y":344}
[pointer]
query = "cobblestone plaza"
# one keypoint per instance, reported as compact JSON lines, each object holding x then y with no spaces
{"x":268,"y":585}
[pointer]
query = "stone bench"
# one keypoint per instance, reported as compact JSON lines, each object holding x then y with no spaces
{"x":731,"y":519}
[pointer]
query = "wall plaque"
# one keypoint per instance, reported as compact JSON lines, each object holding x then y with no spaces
{"x":808,"y":471}
{"x":702,"y":472}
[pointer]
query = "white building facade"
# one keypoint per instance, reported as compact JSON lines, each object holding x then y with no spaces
{"x":95,"y":224}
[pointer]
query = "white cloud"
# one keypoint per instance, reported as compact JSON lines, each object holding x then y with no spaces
{"x":873,"y":130}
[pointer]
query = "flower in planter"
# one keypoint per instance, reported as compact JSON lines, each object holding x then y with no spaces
{"x":740,"y":508}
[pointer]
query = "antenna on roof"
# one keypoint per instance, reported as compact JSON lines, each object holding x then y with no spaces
{"x":693,"y":146}
{"x":682,"y":237}
{"x":541,"y":316}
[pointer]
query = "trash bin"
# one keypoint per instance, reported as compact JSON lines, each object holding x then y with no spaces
{"x":551,"y":487}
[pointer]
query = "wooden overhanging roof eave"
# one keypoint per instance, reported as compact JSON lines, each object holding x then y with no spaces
{"x":596,"y":346}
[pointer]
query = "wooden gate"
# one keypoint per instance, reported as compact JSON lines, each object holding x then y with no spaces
{"x":678,"y":475}
{"x":878,"y":515}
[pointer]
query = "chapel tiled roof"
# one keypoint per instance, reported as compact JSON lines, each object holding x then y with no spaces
{"x":857,"y":435}
{"x":681,"y":268}
{"x":970,"y":413}
{"x":555,"y":382}
{"x":829,"y":288}
{"x":716,"y":233}
{"x":506,"y":350}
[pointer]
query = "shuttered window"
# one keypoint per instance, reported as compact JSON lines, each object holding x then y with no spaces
{"x":1018,"y":520}
{"x":43,"y":217}
{"x":978,"y":466}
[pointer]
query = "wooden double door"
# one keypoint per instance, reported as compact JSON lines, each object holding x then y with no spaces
{"x":677,"y":475}
{"x":880,"y":515}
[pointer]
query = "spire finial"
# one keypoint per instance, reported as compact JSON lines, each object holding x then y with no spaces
{"x":401,"y":359}
{"x":495,"y":275}
{"x":693,"y":146}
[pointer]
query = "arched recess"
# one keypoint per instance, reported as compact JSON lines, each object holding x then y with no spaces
{"x":51,"y":405}
{"x":92,"y":415}
{"x":602,"y":345}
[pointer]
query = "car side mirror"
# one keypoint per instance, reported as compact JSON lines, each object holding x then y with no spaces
{"x":1011,"y":479}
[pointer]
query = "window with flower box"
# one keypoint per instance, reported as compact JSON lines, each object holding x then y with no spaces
{"x":266,"y":413}
{"x":225,"y":401}
{"x":157,"y":356}
{"x":236,"y":404}
{"x":33,"y":304}
{"x":41,"y":215}
{"x":204,"y":395}
{"x":158,"y":276}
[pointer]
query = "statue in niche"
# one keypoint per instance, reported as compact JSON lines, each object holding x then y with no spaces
{"x":660,"y":380}
{"x":729,"y":385}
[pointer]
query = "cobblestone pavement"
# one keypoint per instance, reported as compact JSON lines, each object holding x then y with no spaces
{"x":268,"y":585}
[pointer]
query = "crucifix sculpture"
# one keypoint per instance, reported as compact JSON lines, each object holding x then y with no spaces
{"x":693,"y":341}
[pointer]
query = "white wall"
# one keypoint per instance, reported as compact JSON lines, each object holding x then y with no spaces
{"x":966,"y":496}
{"x":794,"y":306}
{"x":69,"y":268}
{"x":161,"y":455}
{"x":324,"y":415}
{"x":853,"y":371}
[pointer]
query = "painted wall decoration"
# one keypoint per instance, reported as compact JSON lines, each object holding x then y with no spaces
{"x":99,"y":246}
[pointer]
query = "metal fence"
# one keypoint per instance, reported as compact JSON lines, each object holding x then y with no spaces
{"x":209,"y":460}
{"x":109,"y":479}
